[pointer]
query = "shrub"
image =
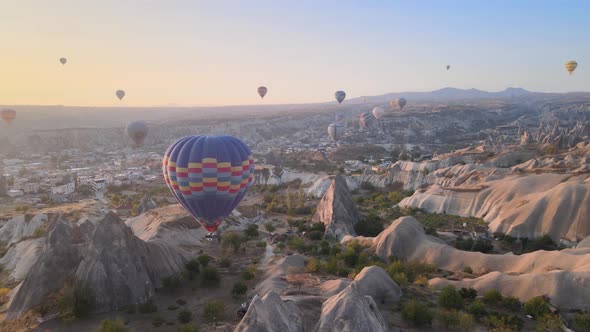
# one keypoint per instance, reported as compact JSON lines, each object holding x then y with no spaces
{"x":536,"y":307}
{"x":76,"y":302}
{"x":313,"y":266}
{"x":503,"y":322}
{"x":315,"y":235}
{"x":469,"y":244}
{"x":511,"y":303}
{"x":184,"y":316}
{"x":187,"y":328}
{"x":172,"y":307}
{"x":400,"y":279}
{"x":130,"y":309}
{"x":39,"y":232}
{"x":261,"y":244}
{"x":247,"y":275}
{"x":370,"y":226}
{"x":468,"y":293}
{"x":296,"y":243}
{"x":251,"y":231}
{"x":421,"y":281}
{"x":147,"y":307}
{"x":581,"y":321}
{"x":224,"y":262}
{"x":450,"y":298}
{"x":213,"y":310}
{"x":204,"y":260}
{"x":417,"y":313}
{"x":548,"y":322}
{"x":109,"y":325}
{"x":171,"y":282}
{"x":158,"y":321}
{"x":270,"y":227}
{"x":232,"y":240}
{"x":492,"y":296}
{"x":468,"y":269}
{"x":210,"y":276}
{"x":477,"y":308}
{"x":455,"y":320}
{"x":238,"y":290}
{"x":193,"y":266}
{"x":180,"y":302}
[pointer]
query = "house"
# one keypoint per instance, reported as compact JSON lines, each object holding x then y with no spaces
{"x":99,"y":184}
{"x":14,"y":193}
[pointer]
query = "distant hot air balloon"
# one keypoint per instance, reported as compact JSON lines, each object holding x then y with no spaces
{"x":378,"y":112}
{"x":335,"y":131}
{"x":8,"y":115}
{"x":570,"y":66}
{"x":262,"y":90}
{"x":209,"y":176}
{"x":338,"y":117}
{"x":340,"y":95}
{"x":448,"y":67}
{"x":366,"y":119}
{"x":120,"y":94}
{"x":137,"y":131}
{"x":401,"y":102}
{"x":63,"y":61}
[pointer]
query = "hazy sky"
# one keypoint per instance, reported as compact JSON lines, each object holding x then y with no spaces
{"x":218,"y":52}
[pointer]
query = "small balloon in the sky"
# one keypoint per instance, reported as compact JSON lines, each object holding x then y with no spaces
{"x":8,"y":115}
{"x":448,"y":67}
{"x":570,"y":66}
{"x":340,"y":95}
{"x":262,"y":90}
{"x":401,"y":102}
{"x":63,"y":61}
{"x":378,"y":112}
{"x":137,"y":131}
{"x":366,"y":119}
{"x":120,"y":94}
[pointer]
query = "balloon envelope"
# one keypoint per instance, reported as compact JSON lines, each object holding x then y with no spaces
{"x":366,"y":119}
{"x":8,"y":115}
{"x":340,"y":95}
{"x":448,"y":67}
{"x":262,"y":90}
{"x":137,"y":131}
{"x":401,"y":102}
{"x":378,"y":112}
{"x":120,"y":94}
{"x":209,"y":176}
{"x":570,"y":66}
{"x":335,"y":131}
{"x":63,"y":61}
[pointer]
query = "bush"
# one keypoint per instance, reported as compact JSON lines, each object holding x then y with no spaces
{"x":365,"y":185}
{"x":193,"y":265}
{"x":468,"y":269}
{"x":548,"y":322}
{"x":224,"y":262}
{"x":455,"y":321}
{"x":511,"y":303}
{"x":39,"y":232}
{"x":400,"y":279}
{"x":270,"y":227}
{"x":147,"y":307}
{"x":185,"y":316}
{"x":469,"y":244}
{"x":324,"y":247}
{"x":261,"y":244}
{"x":450,"y":298}
{"x":180,"y":302}
{"x":503,"y":322}
{"x":315,"y":235}
{"x":477,"y":308}
{"x":109,"y":325}
{"x":537,"y":307}
{"x":370,"y":226}
{"x":313,"y":266}
{"x":421,"y":281}
{"x":581,"y":322}
{"x":251,"y":231}
{"x":130,"y":309}
{"x":171,"y":282}
{"x":158,"y":321}
{"x":417,"y":313}
{"x":492,"y":296}
{"x":187,"y":328}
{"x":213,"y":310}
{"x":238,"y":290}
{"x":232,"y":240}
{"x":76,"y":302}
{"x":204,"y":260}
{"x":210,"y":276}
{"x":468,"y":293}
{"x":296,"y":243}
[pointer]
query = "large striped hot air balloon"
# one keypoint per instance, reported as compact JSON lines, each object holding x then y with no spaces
{"x":570,"y":66}
{"x":401,"y":102}
{"x":335,"y":131}
{"x":137,"y":131}
{"x":8,"y":115}
{"x":339,"y":95}
{"x":262,"y":90}
{"x":366,"y":119}
{"x":120,"y":94}
{"x":209,"y":176}
{"x":378,"y":112}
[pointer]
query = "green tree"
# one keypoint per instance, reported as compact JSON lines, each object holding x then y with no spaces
{"x":537,"y":307}
{"x":417,"y":313}
{"x":450,"y":298}
{"x":213,"y":310}
{"x":232,"y":240}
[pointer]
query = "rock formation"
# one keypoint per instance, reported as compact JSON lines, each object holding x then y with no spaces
{"x":375,"y":282}
{"x":146,"y":204}
{"x":350,"y":311}
{"x":271,"y":313}
{"x":337,"y":210}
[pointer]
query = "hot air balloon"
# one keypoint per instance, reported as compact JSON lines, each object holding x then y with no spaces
{"x":209,"y":176}
{"x":137,"y":131}
{"x":262,"y":90}
{"x":448,"y":67}
{"x":378,"y":112}
{"x":340,"y":95}
{"x":570,"y":66}
{"x":8,"y":115}
{"x":63,"y":61}
{"x":401,"y":102}
{"x":335,"y":131}
{"x":120,"y":94}
{"x":366,"y":119}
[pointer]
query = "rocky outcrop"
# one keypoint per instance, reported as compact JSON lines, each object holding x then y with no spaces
{"x":146,"y":204}
{"x":375,"y":282}
{"x":21,"y":256}
{"x":337,"y":210}
{"x":21,"y":226}
{"x":350,"y":311}
{"x":275,"y":275}
{"x":271,"y":313}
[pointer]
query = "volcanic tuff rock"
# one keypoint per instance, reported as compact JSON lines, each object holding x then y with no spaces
{"x":21,"y":256}
{"x":110,"y":260}
{"x":21,"y":226}
{"x":375,"y":282}
{"x":271,"y":313}
{"x":350,"y":311}
{"x":146,"y":204}
{"x":337,"y":210}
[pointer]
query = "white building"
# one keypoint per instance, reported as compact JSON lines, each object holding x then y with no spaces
{"x":65,"y":189}
{"x":14,"y":193}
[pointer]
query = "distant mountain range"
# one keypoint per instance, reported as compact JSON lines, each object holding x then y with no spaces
{"x":449,"y":93}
